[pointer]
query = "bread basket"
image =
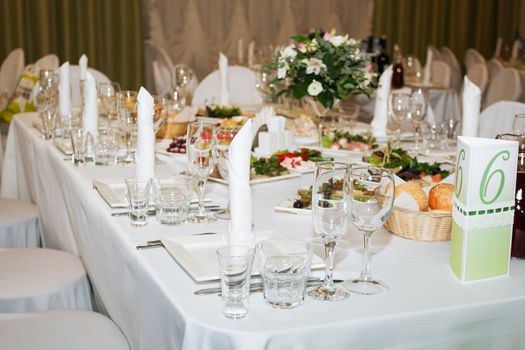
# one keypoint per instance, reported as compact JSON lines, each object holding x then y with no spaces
{"x":420,"y":226}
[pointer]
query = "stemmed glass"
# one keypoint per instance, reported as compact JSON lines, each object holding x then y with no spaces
{"x":201,"y":161}
{"x":127,"y":109}
{"x":224,"y":136}
{"x":372,"y":197}
{"x":518,"y":126}
{"x":182,"y":77}
{"x":160,"y":112}
{"x":264,"y":84}
{"x":418,"y":102}
{"x":107,"y":94}
{"x":399,"y":107}
{"x":47,"y":100}
{"x":330,"y":207}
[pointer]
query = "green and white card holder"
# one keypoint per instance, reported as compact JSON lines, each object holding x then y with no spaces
{"x":483,"y":208}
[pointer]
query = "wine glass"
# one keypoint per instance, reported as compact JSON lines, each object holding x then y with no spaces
{"x":107,"y":94}
{"x":224,"y":137}
{"x":399,"y":107}
{"x":182,"y":78}
{"x":519,"y":124}
{"x":418,"y":102}
{"x":330,"y":209}
{"x":127,"y":109}
{"x":372,"y":197}
{"x":160,"y":112}
{"x":265,"y":86}
{"x":200,"y":148}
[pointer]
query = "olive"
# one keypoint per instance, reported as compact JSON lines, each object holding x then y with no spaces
{"x":298,"y":204}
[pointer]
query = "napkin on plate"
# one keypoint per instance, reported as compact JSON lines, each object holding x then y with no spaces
{"x":428,"y":68}
{"x":145,"y":154}
{"x":82,"y":63}
{"x":471,"y":103}
{"x":90,"y":115}
{"x":64,"y":90}
{"x":240,"y":190}
{"x":381,"y":108}
{"x":224,"y":97}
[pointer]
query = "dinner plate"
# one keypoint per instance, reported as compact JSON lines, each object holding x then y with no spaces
{"x":197,"y":255}
{"x":286,"y":205}
{"x":259,"y":180}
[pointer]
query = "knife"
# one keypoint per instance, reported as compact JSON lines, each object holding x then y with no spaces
{"x":212,"y":208}
{"x":257,"y":287}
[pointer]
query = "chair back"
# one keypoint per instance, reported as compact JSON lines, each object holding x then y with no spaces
{"x":498,"y":118}
{"x":455,"y":69}
{"x":10,"y":72}
{"x":50,"y":61}
{"x":161,"y":78}
{"x":440,"y":74}
{"x":472,"y":57}
{"x":436,"y":54}
{"x":506,"y":86}
{"x":479,"y":75}
{"x":495,"y":66}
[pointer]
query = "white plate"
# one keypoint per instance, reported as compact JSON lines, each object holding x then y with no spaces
{"x":286,"y":205}
{"x":259,"y":180}
{"x":197,"y":255}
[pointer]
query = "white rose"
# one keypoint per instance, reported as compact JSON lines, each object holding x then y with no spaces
{"x":281,"y":72}
{"x":289,"y":52}
{"x":314,"y":65}
{"x":338,"y":40}
{"x":315,"y":88}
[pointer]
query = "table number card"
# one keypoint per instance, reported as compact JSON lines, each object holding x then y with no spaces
{"x":483,"y":209}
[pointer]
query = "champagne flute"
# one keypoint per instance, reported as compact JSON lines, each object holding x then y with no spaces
{"x":107,"y":94}
{"x":201,"y":161}
{"x":418,"y":111}
{"x":127,"y":109}
{"x":399,"y":106}
{"x":372,"y":197}
{"x":330,"y":209}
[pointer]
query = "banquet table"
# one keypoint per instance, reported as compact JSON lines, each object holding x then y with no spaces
{"x":150,"y":297}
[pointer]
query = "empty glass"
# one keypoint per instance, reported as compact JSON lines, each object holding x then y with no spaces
{"x":127,"y":109}
{"x":265,"y":86}
{"x":284,"y":265}
{"x":372,"y":197}
{"x":160,"y":112}
{"x":107,"y":94}
{"x":433,"y":137}
{"x":78,"y":144}
{"x":349,"y":112}
{"x":330,"y":217}
{"x":399,"y":108}
{"x":138,"y":191}
{"x":236,"y":267}
{"x":106,"y":147}
{"x":172,"y":199}
{"x":519,"y":124}
{"x":182,"y":78}
{"x":418,"y":104}
{"x":451,"y":128}
{"x":48,"y":118}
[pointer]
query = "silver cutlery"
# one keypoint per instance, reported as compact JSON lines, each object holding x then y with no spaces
{"x":158,"y":243}
{"x":258,"y":286}
{"x":152,"y":212}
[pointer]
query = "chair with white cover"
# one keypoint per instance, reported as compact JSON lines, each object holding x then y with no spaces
{"x":50,"y":61}
{"x":241,"y":84}
{"x":455,"y":69}
{"x":74,"y":80}
{"x":498,"y":118}
{"x":472,"y":57}
{"x":440,"y":74}
{"x":38,"y":279}
{"x":10,"y":72}
{"x":59,"y":330}
{"x":19,"y":224}
{"x":436,"y":54}
{"x":479,"y":75}
{"x":495,"y":66}
{"x":506,"y":86}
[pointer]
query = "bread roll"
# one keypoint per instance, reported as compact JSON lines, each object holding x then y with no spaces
{"x":414,"y":190}
{"x":440,"y":197}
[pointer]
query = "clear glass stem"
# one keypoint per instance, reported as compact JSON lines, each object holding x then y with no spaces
{"x":398,"y":136}
{"x":329,"y":248}
{"x":365,"y":272}
{"x":416,"y":136}
{"x":128,"y":145}
{"x":201,"y":191}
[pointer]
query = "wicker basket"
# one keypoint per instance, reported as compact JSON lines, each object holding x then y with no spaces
{"x":420,"y":226}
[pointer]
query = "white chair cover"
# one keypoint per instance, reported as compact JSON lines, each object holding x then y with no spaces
{"x":42,"y":279}
{"x":19,"y":224}
{"x":498,"y":118}
{"x":60,"y":330}
{"x":161,"y":78}
{"x":472,"y":57}
{"x":506,"y":86}
{"x":495,"y":66}
{"x":241,"y":82}
{"x":455,"y":69}
{"x":478,"y":74}
{"x":440,"y":75}
{"x":50,"y":61}
{"x":436,"y":54}
{"x":10,"y":72}
{"x":74,"y":79}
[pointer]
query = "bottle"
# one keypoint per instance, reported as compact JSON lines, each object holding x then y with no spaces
{"x":383,"y":60}
{"x":397,"y":75}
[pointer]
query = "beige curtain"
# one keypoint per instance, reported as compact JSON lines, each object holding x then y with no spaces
{"x":109,"y":32}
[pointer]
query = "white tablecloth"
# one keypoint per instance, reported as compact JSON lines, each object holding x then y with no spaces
{"x":151,"y":298}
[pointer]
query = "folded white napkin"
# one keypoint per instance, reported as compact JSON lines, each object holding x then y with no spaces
{"x":251,"y":49}
{"x":515,"y":49}
{"x":90,"y":115}
{"x":381,"y":107}
{"x":276,"y":124}
{"x":82,"y":63}
{"x":428,"y":68}
{"x":471,"y":103}
{"x":262,"y":118}
{"x":64,"y":90}
{"x":145,"y":154}
{"x":240,"y":191}
{"x":224,"y":98}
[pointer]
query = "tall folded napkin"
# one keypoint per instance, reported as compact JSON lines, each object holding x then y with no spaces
{"x":471,"y":103}
{"x":145,"y":154}
{"x":262,"y":118}
{"x":240,"y":191}
{"x":82,"y":63}
{"x":224,"y":96}
{"x":251,"y":49}
{"x":428,"y":68}
{"x":381,"y":108}
{"x":64,"y":90}
{"x":516,"y":46}
{"x":90,"y":115}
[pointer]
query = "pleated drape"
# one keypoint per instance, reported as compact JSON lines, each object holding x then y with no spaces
{"x":109,"y":32}
{"x":458,"y":24}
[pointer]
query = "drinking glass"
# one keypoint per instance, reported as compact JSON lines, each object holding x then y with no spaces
{"x":107,"y":94}
{"x":519,"y":124}
{"x":418,"y":111}
{"x":200,"y":149}
{"x":48,"y":118}
{"x":172,"y":199}
{"x":265,"y":86}
{"x":451,"y":128}
{"x":224,"y":137}
{"x":372,"y":197}
{"x":78,"y":144}
{"x":127,"y":109}
{"x":160,"y":112}
{"x":330,"y":209}
{"x":106,"y":147}
{"x":138,"y":191}
{"x":182,"y":78}
{"x":433,"y":137}
{"x":284,"y":265}
{"x":399,"y":107}
{"x":236,"y":267}
{"x":349,"y":112}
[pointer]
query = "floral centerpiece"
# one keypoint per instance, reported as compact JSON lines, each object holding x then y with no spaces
{"x":324,"y":66}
